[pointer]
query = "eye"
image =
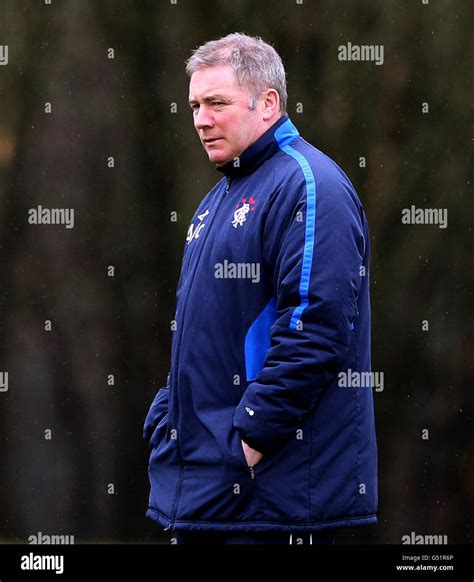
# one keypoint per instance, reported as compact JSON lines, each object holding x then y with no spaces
{"x":217,"y":103}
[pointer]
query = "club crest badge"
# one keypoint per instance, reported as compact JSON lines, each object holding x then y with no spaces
{"x":240,"y":215}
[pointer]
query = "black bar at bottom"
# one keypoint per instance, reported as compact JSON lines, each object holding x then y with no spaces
{"x":398,"y":561}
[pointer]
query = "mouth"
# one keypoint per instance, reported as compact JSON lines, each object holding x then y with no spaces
{"x":211,"y":141}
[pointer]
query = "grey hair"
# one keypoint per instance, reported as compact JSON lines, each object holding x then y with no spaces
{"x":256,"y":64}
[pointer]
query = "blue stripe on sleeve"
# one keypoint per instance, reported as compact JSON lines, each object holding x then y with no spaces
{"x":284,"y":135}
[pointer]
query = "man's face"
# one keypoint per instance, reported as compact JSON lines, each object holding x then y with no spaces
{"x":225,"y":124}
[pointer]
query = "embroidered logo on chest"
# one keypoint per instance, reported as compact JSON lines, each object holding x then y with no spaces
{"x":240,"y":215}
{"x":195,"y":230}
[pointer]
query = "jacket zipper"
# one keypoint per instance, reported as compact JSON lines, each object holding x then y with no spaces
{"x":191,"y":278}
{"x":178,"y":345}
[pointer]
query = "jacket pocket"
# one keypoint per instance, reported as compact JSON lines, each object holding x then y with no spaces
{"x":159,"y":432}
{"x":238,"y":453}
{"x":237,"y":450}
{"x":157,"y":411}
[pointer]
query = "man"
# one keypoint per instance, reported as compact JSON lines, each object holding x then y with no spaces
{"x":255,"y":438}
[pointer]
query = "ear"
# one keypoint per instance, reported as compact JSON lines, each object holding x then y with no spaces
{"x":270,"y":103}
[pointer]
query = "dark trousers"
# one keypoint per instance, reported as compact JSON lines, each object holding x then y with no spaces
{"x":224,"y":538}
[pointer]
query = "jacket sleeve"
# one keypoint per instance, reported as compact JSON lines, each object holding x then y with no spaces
{"x":157,"y":410}
{"x":313,"y":248}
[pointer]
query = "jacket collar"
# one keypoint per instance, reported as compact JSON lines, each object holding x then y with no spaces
{"x":277,"y":136}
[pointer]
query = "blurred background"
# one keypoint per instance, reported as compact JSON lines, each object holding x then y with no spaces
{"x":118,"y":146}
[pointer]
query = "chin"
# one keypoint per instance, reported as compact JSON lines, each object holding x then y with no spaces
{"x":218,"y":159}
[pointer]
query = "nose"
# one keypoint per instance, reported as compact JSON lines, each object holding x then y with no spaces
{"x":203,"y":118}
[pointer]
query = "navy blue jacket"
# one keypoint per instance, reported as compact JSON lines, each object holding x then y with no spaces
{"x":272,"y":307}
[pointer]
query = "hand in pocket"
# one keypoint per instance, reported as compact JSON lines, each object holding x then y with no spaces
{"x":252,"y":456}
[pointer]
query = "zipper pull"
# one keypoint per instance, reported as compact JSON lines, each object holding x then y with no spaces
{"x":229,"y":181}
{"x":252,"y":472}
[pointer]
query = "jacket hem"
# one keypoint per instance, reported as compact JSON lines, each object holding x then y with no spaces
{"x":247,"y":526}
{"x":155,"y":515}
